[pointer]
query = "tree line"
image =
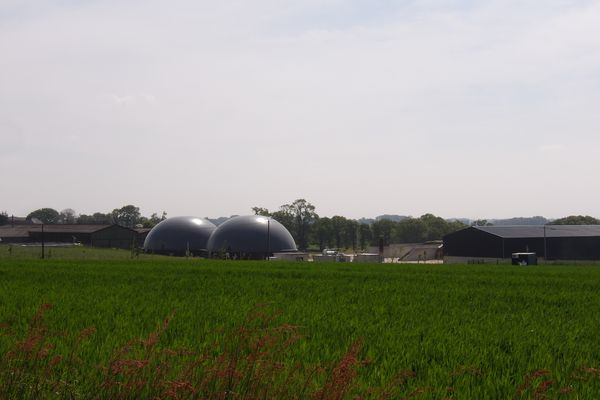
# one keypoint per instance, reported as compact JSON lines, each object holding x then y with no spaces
{"x":128,"y":216}
{"x":306,"y":226}
{"x":311,"y":230}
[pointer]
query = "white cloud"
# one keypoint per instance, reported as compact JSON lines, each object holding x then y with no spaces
{"x":123,"y":100}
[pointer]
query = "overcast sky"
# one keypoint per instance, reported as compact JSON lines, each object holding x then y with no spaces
{"x":460,"y":108}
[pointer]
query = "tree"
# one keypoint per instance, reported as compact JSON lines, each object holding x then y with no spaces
{"x":344,"y":232}
{"x":261,"y":211}
{"x":3,"y":218}
{"x":576,"y":220}
{"x":382,"y":229}
{"x":126,"y":216}
{"x":153,"y":220}
{"x":304,"y":216}
{"x":349,"y":233}
{"x":411,"y":230}
{"x":481,"y":222}
{"x":425,"y":228}
{"x":296,"y":217}
{"x":67,"y":216}
{"x":453,"y":226}
{"x":365,"y":235}
{"x":285,"y":218}
{"x":323,"y":232}
{"x":97,"y":218}
{"x":45,"y":215}
{"x":85,"y":219}
{"x":435,"y":227}
{"x":338,"y":224}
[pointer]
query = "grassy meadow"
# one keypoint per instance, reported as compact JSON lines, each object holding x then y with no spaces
{"x":375,"y":331}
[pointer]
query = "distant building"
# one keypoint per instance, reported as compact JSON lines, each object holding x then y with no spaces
{"x":14,"y":234}
{"x":412,"y":252}
{"x":142,"y":234}
{"x":497,"y":243}
{"x":290,"y":256}
{"x":115,"y":236}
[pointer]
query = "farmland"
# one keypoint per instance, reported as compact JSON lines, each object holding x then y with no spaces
{"x":450,"y":331}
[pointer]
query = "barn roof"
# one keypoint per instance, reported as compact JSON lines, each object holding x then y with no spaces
{"x":17,"y":231}
{"x":537,"y":231}
{"x":75,"y":228}
{"x":24,"y":230}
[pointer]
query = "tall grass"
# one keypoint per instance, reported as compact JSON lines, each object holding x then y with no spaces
{"x":426,"y":332}
{"x":27,"y":252}
{"x":252,"y":362}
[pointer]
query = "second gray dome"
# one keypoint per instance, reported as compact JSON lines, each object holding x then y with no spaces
{"x":250,"y":236}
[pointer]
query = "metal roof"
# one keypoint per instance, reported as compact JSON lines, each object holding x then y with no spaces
{"x":69,"y":228}
{"x":16,"y":231}
{"x":24,"y":230}
{"x":537,"y":231}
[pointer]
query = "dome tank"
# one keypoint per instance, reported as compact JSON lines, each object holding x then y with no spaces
{"x":179,"y":236}
{"x":250,"y":237}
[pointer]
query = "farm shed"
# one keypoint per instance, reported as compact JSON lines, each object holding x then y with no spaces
{"x":14,"y":234}
{"x":91,"y":235}
{"x":550,"y":242}
{"x":142,"y":234}
{"x":115,"y":236}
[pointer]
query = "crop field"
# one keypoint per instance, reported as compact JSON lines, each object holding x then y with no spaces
{"x":301,"y":330}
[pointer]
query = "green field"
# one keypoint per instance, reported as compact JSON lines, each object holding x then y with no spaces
{"x":463,"y":332}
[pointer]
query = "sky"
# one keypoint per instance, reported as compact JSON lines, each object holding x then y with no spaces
{"x":460,"y":108}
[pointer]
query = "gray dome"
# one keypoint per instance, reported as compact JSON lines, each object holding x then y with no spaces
{"x":250,"y":236}
{"x":178,"y":234}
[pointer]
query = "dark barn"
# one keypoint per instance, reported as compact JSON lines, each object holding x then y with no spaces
{"x":550,"y":242}
{"x":115,"y":236}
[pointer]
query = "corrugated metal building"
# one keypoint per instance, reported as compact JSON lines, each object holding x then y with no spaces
{"x":14,"y":234}
{"x":115,"y":236}
{"x":551,"y":242}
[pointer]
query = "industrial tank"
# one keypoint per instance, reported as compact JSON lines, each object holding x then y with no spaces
{"x":180,"y":236}
{"x":250,"y":237}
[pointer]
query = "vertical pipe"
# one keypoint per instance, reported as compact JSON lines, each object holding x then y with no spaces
{"x":268,"y":238}
{"x":545,"y":247}
{"x":43,"y":255}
